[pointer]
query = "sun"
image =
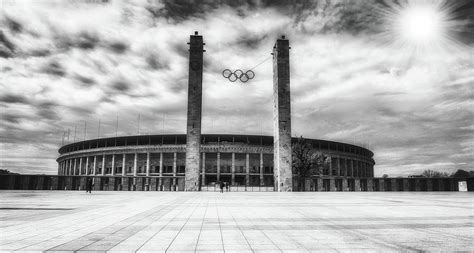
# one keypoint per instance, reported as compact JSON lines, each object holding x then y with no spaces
{"x":420,"y":24}
{"x":423,"y":25}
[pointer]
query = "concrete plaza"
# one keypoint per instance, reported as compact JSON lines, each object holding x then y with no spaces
{"x":236,"y":222}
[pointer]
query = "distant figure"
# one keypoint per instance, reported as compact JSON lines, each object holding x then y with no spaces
{"x":227,"y":186}
{"x":221,"y":184}
{"x":89,"y":185}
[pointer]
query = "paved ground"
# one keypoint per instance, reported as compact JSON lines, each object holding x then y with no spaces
{"x":235,"y":222}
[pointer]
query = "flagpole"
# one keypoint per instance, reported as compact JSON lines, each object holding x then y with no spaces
{"x":85,"y":129}
{"x":116,"y":127}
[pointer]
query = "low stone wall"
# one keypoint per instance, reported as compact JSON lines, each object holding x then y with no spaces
{"x":100,"y":183}
{"x":380,"y":184}
{"x":130,"y":183}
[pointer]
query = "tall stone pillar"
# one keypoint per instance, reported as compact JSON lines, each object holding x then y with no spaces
{"x":282,"y":116}
{"x":193,"y":133}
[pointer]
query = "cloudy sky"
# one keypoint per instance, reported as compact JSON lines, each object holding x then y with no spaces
{"x":367,"y":72}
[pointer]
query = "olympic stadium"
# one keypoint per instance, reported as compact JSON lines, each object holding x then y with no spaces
{"x":240,"y":160}
{"x":195,"y":161}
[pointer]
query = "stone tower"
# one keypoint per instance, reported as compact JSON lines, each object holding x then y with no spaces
{"x":282,"y":116}
{"x":193,"y":133}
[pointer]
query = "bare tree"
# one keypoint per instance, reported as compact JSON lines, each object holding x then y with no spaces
{"x":433,"y":173}
{"x":306,"y":161}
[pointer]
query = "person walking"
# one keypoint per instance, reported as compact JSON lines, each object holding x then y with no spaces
{"x":227,"y":186}
{"x":89,"y":185}
{"x":221,"y":184}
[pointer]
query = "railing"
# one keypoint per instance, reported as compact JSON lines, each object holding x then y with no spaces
{"x":216,"y":188}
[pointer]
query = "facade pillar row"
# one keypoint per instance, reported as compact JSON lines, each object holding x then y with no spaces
{"x":233,"y":169}
{"x":113,"y":165}
{"x":135,"y":160}
{"x":218,"y":166}
{"x":262,"y":181}
{"x":247,"y":169}
{"x":148,"y":163}
{"x":203,"y":169}
{"x":103,"y":165}
{"x":94,"y":166}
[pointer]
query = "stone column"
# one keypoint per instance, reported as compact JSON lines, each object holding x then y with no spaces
{"x":370,"y":184}
{"x":282,"y":116}
{"x":417,"y":185}
{"x":87,"y":166}
{"x":233,"y":169}
{"x":332,"y":185}
{"x":218,"y":166}
{"x":123,"y":165}
{"x":203,"y":175}
{"x":148,"y":163}
{"x":113,"y":165}
{"x":393,"y":183}
{"x":320,"y":184}
{"x":174,"y":170}
{"x":262,"y":181}
{"x":94,"y":166}
{"x":406,"y":186}
{"x":330,"y":166}
{"x":160,"y":181}
{"x":338,"y":169}
{"x":70,"y":168}
{"x":429,"y":184}
{"x":103,"y":165}
{"x":381,"y":184}
{"x":135,"y":161}
{"x":247,"y":169}
{"x":344,"y":185}
{"x":80,"y":166}
{"x":357,"y":185}
{"x":194,"y":110}
{"x":441,"y":185}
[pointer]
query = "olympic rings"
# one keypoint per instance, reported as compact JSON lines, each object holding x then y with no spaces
{"x":238,"y":75}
